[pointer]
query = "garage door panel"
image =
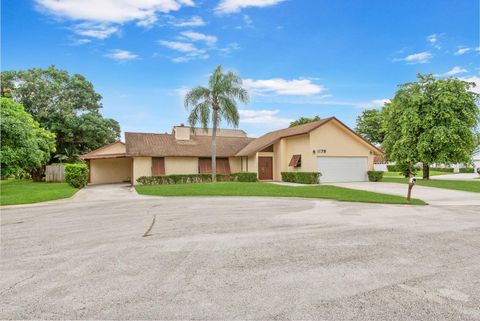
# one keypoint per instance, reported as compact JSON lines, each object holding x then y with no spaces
{"x":342,"y":169}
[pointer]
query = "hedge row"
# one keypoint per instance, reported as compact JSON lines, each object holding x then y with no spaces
{"x":442,"y":169}
{"x":375,"y":176}
{"x":301,"y":177}
{"x":467,"y":170}
{"x":76,"y":175}
{"x":196,"y":178}
{"x":404,"y":169}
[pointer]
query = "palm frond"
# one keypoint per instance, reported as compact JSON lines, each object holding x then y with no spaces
{"x":228,"y":111}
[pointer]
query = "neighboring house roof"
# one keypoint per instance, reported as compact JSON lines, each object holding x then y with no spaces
{"x":272,"y":137}
{"x":198,"y":131}
{"x":97,"y":153}
{"x":161,"y":145}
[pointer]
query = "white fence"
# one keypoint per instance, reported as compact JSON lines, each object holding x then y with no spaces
{"x":55,"y":173}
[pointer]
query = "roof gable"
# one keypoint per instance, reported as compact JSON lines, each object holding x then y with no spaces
{"x":272,"y":137}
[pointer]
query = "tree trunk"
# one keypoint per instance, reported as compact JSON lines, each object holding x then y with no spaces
{"x":37,"y":174}
{"x":214,"y":144}
{"x":426,"y":171}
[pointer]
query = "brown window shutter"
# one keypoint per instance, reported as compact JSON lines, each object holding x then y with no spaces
{"x":158,"y":166}
{"x":205,"y":166}
{"x":296,"y":160}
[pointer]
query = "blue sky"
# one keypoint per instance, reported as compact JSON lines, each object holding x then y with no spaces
{"x":297,"y":57}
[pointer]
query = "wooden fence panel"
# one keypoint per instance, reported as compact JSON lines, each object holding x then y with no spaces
{"x":55,"y":173}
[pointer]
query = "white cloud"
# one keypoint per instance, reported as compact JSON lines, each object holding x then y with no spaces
{"x":230,"y":6}
{"x":476,"y":80}
{"x":417,"y":58}
{"x":281,"y":86}
{"x":99,"y":31}
{"x":379,"y":102}
{"x":434,"y":41}
{"x":190,"y":51}
{"x":197,"y":36}
{"x":178,"y":46}
{"x":78,"y":42}
{"x":248,"y":21}
{"x":105,"y":16}
{"x":195,"y":21}
{"x":454,"y":71}
{"x":462,"y":51}
{"x":267,"y":118}
{"x":121,"y":55}
{"x":231,"y":47}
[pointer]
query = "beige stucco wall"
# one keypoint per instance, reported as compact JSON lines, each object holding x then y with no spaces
{"x":114,"y":170}
{"x":181,"y":165}
{"x":235,"y":165}
{"x":115,"y":148}
{"x":339,"y":141}
{"x":142,"y":166}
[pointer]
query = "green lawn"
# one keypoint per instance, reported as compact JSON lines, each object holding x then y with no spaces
{"x":26,"y":192}
{"x":266,"y":189}
{"x":468,"y":186}
{"x":419,"y":174}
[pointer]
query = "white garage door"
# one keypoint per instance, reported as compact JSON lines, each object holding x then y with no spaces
{"x":342,"y":169}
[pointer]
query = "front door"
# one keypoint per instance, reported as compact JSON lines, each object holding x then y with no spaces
{"x":265,"y":168}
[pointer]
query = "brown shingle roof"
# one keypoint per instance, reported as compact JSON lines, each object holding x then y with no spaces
{"x":272,"y":137}
{"x":160,"y":145}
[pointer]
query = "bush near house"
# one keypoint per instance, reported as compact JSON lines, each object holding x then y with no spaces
{"x":76,"y":175}
{"x":301,"y":177}
{"x":196,"y":178}
{"x":375,"y":176}
{"x":246,"y":177}
{"x":467,"y":170}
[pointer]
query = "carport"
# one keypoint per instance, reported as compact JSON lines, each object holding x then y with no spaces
{"x":109,"y":164}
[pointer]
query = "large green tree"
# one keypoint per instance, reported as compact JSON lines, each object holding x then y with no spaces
{"x":25,"y":145}
{"x":303,"y":120}
{"x":432,"y":121}
{"x":370,"y":126}
{"x":65,"y":104}
{"x":214,"y":103}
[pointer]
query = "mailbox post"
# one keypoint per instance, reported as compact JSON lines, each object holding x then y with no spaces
{"x":411,"y":182}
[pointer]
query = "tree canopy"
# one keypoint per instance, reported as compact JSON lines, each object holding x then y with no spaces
{"x":214,"y":103}
{"x":25,"y":145}
{"x":65,"y":104}
{"x":370,"y":126}
{"x":432,"y":121}
{"x":304,"y":120}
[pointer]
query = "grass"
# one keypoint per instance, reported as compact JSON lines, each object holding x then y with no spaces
{"x":26,"y":192}
{"x":467,"y":186}
{"x":397,"y":174}
{"x":266,"y":189}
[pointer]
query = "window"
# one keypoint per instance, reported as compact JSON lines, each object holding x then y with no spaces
{"x":205,"y":165}
{"x":158,"y":166}
{"x":296,"y":161}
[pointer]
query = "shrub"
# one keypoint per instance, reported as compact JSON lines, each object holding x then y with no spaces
{"x":301,"y":177}
{"x":76,"y":175}
{"x":184,"y":179}
{"x":375,"y":176}
{"x":246,"y":177}
{"x":403,"y":169}
{"x":442,"y":169}
{"x":467,"y":170}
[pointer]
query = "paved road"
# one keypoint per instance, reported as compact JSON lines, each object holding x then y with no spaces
{"x":431,"y":195}
{"x":238,"y":258}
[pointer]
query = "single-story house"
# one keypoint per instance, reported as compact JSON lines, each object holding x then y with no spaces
{"x":327,"y":146}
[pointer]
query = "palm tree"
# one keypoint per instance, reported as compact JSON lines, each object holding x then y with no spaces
{"x":217,"y":102}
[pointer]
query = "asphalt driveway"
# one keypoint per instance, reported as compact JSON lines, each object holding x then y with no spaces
{"x":238,"y":258}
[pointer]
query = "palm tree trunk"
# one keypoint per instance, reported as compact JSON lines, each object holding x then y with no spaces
{"x":214,"y":144}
